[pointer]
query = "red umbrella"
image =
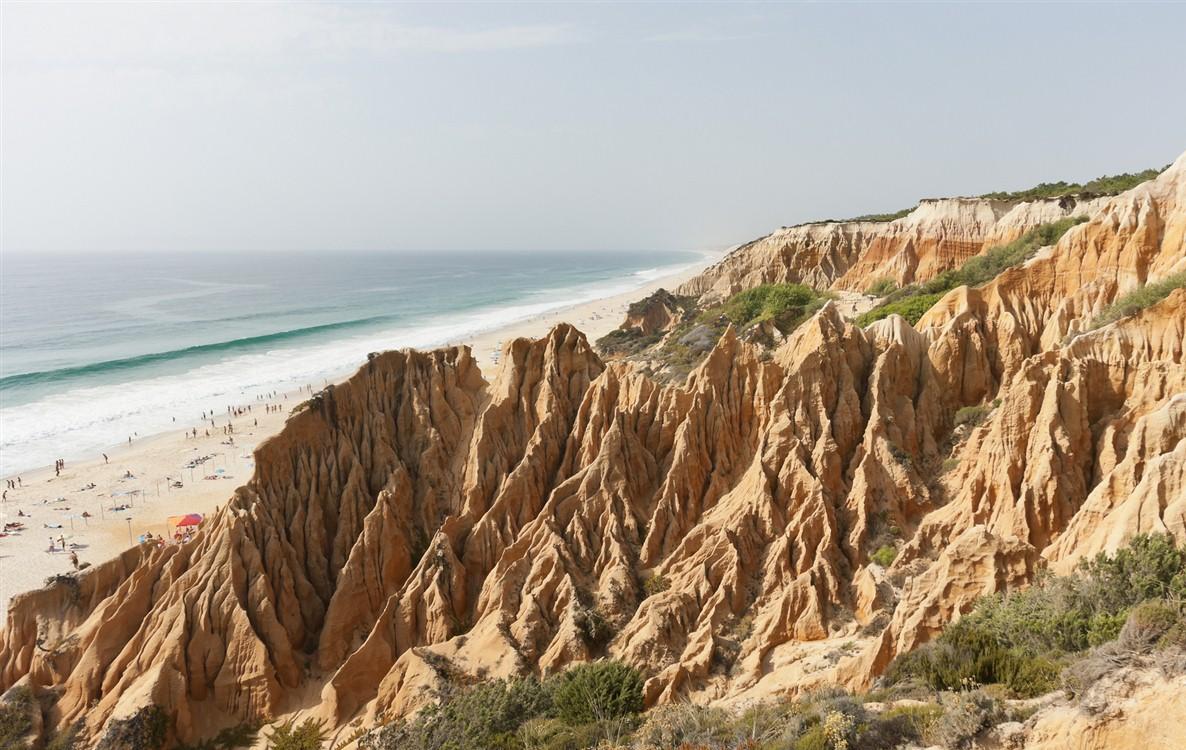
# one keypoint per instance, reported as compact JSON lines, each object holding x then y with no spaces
{"x":189,"y":519}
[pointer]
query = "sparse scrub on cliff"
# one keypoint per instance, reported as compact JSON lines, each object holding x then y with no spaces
{"x":1106,"y":185}
{"x":144,"y":730}
{"x":911,"y":302}
{"x":597,"y":691}
{"x":485,"y":715}
{"x":881,"y":288}
{"x":656,"y":584}
{"x":16,"y":717}
{"x":310,"y":734}
{"x":593,"y":626}
{"x":892,"y":216}
{"x":627,"y":341}
{"x":243,"y":735}
{"x":910,"y":307}
{"x":1126,"y":602}
{"x":785,"y":305}
{"x":1135,"y":301}
{"x":971,"y":416}
{"x":884,"y":556}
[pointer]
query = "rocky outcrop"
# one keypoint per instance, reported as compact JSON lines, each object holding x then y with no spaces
{"x":1132,"y":709}
{"x":418,"y":524}
{"x":656,"y":313}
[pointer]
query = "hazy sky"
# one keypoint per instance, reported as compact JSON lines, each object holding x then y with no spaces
{"x":366,"y":126}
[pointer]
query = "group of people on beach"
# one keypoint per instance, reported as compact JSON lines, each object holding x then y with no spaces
{"x":58,"y":466}
{"x":13,"y":484}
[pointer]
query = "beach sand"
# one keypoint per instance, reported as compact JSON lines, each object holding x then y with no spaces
{"x":154,"y":462}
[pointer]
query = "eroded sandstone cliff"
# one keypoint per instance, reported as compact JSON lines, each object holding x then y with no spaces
{"x":419,"y":522}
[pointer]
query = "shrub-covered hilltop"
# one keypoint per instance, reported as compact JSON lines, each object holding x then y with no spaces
{"x":1058,"y":639}
{"x":764,"y":314}
{"x":1106,"y":185}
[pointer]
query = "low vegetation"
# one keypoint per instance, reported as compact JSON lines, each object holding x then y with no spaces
{"x":579,"y":708}
{"x":884,"y":217}
{"x":913,"y":301}
{"x":1106,"y":185}
{"x":881,"y":287}
{"x":1025,"y":641}
{"x":310,"y":734}
{"x":16,"y":717}
{"x":144,"y":730}
{"x":971,"y":415}
{"x":783,"y":304}
{"x":1133,"y":302}
{"x":910,"y":306}
{"x":759,"y":314}
{"x":885,"y":555}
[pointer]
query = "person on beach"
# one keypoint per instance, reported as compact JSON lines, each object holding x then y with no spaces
{"x":74,"y":559}
{"x":51,"y":544}
{"x":105,"y":458}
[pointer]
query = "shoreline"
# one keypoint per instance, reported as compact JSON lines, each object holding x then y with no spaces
{"x":83,"y":505}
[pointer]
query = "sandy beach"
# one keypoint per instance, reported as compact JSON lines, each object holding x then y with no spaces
{"x":100,"y":507}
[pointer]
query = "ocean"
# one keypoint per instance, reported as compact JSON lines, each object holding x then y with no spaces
{"x":94,"y":348}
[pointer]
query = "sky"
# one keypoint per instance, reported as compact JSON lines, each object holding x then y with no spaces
{"x":254,"y":126}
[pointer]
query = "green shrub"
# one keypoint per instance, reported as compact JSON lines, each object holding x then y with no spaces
{"x":144,"y":730}
{"x":1135,"y":301}
{"x":1150,"y":567}
{"x":965,"y":715}
{"x":16,"y":717}
{"x":884,"y":217}
{"x":594,"y":628}
{"x":910,"y":307}
{"x":900,"y":725}
{"x":486,"y":715}
{"x":1106,"y":185}
{"x":1146,"y":624}
{"x":884,"y":556}
{"x":596,"y":692}
{"x":243,"y":735}
{"x":881,"y":287}
{"x":813,"y":739}
{"x":1103,"y":627}
{"x":781,"y":303}
{"x":1175,"y":637}
{"x":656,"y":584}
{"x":971,"y":415}
{"x":1021,"y":639}
{"x":67,"y":738}
{"x":685,"y":725}
{"x":308,"y":735}
{"x":553,"y":734}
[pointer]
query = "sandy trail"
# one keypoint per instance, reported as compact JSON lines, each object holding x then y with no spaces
{"x":54,"y":505}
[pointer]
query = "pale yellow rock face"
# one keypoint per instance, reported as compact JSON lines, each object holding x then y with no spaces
{"x":938,"y":235}
{"x":420,"y":522}
{"x":1134,"y":710}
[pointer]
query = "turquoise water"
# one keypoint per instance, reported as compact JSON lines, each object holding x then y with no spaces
{"x":96,"y":348}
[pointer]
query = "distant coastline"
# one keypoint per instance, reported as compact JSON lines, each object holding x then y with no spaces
{"x":141,"y":475}
{"x":141,"y":382}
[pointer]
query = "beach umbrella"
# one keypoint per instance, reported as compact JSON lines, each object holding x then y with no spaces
{"x":189,"y":519}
